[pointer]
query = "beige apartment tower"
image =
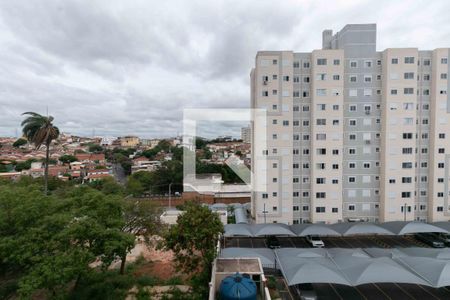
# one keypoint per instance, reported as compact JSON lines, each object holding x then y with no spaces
{"x":352,"y":133}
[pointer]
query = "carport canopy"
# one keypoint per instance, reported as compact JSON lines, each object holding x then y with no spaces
{"x":297,"y":270}
{"x":444,"y":225}
{"x":363,"y":270}
{"x":238,"y":230}
{"x":435,"y":271}
{"x":266,"y":255}
{"x":355,"y":228}
{"x":314,"y":229}
{"x":272,"y":229}
{"x":401,"y":227}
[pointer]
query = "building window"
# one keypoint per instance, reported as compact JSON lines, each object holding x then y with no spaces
{"x":408,"y":75}
{"x":444,"y":60}
{"x":336,"y":62}
{"x":406,"y":194}
{"x":351,"y":207}
{"x":335,"y":107}
{"x":336,"y":77}
{"x":440,"y":208}
{"x":409,"y":59}
{"x":394,"y":61}
{"x":322,"y":61}
{"x":334,"y":210}
{"x":408,"y":91}
{"x":353,"y":64}
{"x":353,"y":78}
{"x":368,"y":64}
{"x":265,"y":196}
{"x":320,"y":209}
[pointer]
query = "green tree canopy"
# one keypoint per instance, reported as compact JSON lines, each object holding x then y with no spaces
{"x":67,"y":159}
{"x":51,"y":240}
{"x":20,"y":142}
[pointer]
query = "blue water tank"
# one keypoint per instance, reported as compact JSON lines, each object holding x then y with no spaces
{"x":237,"y":287}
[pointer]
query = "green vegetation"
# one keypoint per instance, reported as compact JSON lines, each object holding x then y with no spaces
{"x":67,"y":159}
{"x":40,"y":131}
{"x":95,"y":148}
{"x":47,"y":242}
{"x":26,"y":165}
{"x":20,"y":142}
{"x":194,"y":244}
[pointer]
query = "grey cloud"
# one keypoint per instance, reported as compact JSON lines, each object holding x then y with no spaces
{"x":132,"y":67}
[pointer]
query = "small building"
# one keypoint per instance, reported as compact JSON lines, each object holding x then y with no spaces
{"x":129,"y":141}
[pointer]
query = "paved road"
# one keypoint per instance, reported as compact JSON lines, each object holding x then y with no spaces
{"x":119,"y":174}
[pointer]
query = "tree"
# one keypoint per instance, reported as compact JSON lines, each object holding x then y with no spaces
{"x":25,"y":165}
{"x":67,"y":159}
{"x":94,"y":148}
{"x":193,"y":239}
{"x":20,"y":142}
{"x":141,"y":219}
{"x":50,"y":241}
{"x":40,"y":131}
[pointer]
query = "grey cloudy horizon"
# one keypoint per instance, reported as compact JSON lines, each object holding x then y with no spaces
{"x":131,"y":67}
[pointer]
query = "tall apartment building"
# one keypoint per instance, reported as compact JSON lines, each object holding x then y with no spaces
{"x":246,"y":134}
{"x":352,"y":132}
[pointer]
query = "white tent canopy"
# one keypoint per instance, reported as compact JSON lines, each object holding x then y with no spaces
{"x":401,"y":227}
{"x":272,"y":229}
{"x":298,"y":270}
{"x":314,"y":229}
{"x":443,"y":225}
{"x":354,"y":228}
{"x":363,"y":270}
{"x":435,"y":271}
{"x":238,"y":230}
{"x":339,"y":229}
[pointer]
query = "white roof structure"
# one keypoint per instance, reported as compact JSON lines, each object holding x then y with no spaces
{"x":297,"y":269}
{"x":238,"y":230}
{"x":339,"y":229}
{"x":435,"y":271}
{"x":272,"y":229}
{"x":314,"y":229}
{"x":443,"y":225}
{"x":401,"y":227}
{"x":363,"y":270}
{"x":355,"y":228}
{"x":353,"y":267}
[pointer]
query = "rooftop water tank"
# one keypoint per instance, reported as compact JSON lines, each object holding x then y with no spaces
{"x":236,"y":287}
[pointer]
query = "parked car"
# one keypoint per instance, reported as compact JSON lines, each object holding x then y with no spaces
{"x":430,"y":239}
{"x":443,"y":237}
{"x":273,"y":242}
{"x":315,"y":241}
{"x":305,"y":291}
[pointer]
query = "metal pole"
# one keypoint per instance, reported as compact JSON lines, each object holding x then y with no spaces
{"x":264,"y":213}
{"x":170,"y":195}
{"x":404,"y":210}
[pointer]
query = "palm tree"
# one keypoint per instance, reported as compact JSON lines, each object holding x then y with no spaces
{"x":40,"y":131}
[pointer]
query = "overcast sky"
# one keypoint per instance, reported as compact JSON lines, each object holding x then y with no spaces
{"x":130,"y":67}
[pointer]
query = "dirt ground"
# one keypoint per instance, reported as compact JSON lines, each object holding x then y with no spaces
{"x":159,"y":263}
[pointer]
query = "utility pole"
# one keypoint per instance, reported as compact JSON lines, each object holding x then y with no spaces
{"x":170,"y":195}
{"x":264,"y":212}
{"x":404,"y":211}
